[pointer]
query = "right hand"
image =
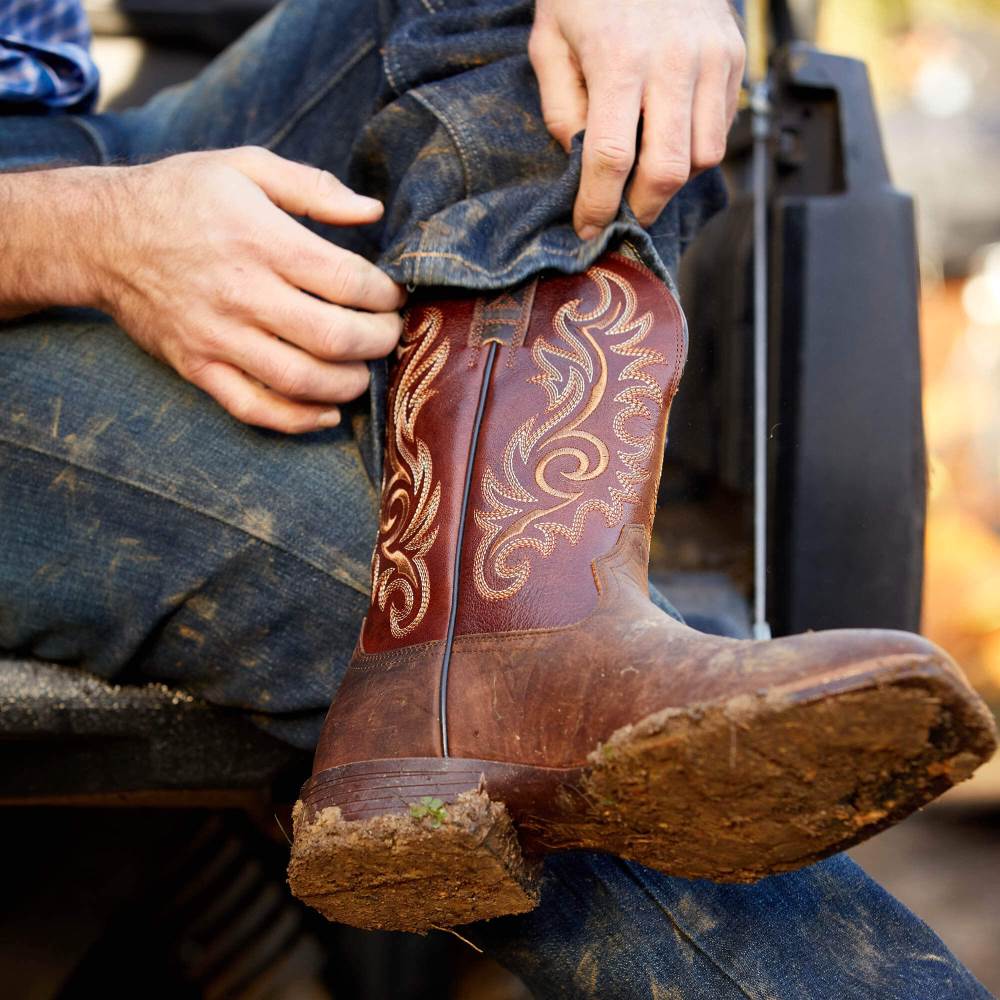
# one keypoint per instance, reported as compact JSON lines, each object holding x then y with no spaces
{"x":206,"y":271}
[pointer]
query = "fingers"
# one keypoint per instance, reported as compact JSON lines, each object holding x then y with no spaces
{"x":686,"y":119}
{"x":710,"y":115}
{"x":303,"y":190}
{"x":311,"y":263}
{"x":734,"y":83}
{"x":255,"y":404}
{"x":327,"y":331}
{"x":608,"y":148}
{"x":680,"y":69}
{"x":292,"y":372}
{"x":560,"y":83}
{"x":665,"y":156}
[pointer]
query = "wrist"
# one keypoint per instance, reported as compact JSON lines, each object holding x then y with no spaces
{"x":53,"y":247}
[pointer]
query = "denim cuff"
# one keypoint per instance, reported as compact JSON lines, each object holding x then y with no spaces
{"x":29,"y":142}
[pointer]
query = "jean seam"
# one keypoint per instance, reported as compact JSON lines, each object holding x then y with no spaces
{"x":339,"y":573}
{"x":472,"y":266}
{"x":453,"y":133}
{"x":390,"y":67}
{"x":684,"y":932}
{"x":281,"y":132}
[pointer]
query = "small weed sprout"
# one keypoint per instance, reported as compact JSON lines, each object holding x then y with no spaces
{"x":429,"y":808}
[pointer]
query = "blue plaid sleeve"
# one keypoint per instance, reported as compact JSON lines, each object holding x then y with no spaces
{"x":45,"y":55}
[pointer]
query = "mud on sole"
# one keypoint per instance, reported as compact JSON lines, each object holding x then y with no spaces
{"x":732,"y":792}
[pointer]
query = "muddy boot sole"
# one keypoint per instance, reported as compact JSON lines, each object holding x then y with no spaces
{"x":768,"y":784}
{"x":434,"y":865}
{"x":730,"y":791}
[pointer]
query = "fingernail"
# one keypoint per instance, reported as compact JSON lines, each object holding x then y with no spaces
{"x":371,"y":202}
{"x":588,"y":232}
{"x":329,"y":419}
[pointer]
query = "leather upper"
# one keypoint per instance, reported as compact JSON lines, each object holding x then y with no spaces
{"x":558,"y":395}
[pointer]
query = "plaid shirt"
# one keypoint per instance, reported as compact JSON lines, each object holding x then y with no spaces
{"x":44,"y":55}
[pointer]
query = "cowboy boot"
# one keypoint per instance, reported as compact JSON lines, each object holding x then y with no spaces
{"x":514,"y":691}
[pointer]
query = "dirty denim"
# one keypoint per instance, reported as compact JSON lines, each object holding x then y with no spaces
{"x":144,"y":534}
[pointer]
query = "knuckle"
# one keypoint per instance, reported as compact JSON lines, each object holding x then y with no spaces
{"x":190,"y":366}
{"x":740,"y":57}
{"x":345,"y":281}
{"x":333,"y":340}
{"x":243,"y":407}
{"x":257,"y":155}
{"x":710,"y":153}
{"x":559,"y":125}
{"x":612,"y":158}
{"x":289,"y":379}
{"x":668,"y":175}
{"x":353,"y":382}
{"x":211,"y":342}
{"x":537,"y":46}
{"x":714,"y":54}
{"x":684,"y":51}
{"x":325,"y":185}
{"x":597,"y":212}
{"x":229,"y":296}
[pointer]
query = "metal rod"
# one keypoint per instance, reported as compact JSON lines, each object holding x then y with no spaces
{"x":760,"y":110}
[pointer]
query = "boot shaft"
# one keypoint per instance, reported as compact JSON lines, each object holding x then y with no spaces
{"x":525,"y":432}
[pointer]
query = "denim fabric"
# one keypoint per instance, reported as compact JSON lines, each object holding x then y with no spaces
{"x":435,"y":113}
{"x":146,"y":535}
{"x":612,"y":930}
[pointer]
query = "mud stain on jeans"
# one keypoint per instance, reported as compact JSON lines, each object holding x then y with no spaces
{"x":657,"y":991}
{"x":586,"y":974}
{"x":697,"y":920}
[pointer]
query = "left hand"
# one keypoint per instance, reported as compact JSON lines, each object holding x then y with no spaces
{"x":604,"y":64}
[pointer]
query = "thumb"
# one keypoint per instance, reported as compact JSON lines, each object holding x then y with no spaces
{"x":303,"y":190}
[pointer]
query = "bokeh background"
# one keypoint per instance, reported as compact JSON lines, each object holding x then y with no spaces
{"x":935,"y":69}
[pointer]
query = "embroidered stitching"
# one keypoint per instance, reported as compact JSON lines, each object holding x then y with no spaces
{"x":528,"y":504}
{"x":410,"y":497}
{"x":504,"y":317}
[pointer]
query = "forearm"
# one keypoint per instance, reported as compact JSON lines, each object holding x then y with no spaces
{"x":51,"y":228}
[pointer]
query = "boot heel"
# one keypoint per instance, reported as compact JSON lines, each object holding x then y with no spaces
{"x":407,"y":844}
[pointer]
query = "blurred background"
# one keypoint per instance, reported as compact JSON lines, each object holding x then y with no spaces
{"x":935,"y":70}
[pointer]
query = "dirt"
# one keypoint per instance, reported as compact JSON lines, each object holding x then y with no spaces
{"x":460,"y":864}
{"x":758,"y":786}
{"x":731,"y":791}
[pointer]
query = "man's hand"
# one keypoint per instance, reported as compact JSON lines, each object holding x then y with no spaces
{"x":198,"y":259}
{"x":604,"y":64}
{"x":210,"y":274}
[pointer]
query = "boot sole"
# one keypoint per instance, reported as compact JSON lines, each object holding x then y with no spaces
{"x":730,"y":791}
{"x":395,"y":870}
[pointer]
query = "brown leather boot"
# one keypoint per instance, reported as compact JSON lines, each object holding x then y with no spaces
{"x":514,"y":691}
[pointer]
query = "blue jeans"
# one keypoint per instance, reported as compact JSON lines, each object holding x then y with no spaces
{"x":146,"y":535}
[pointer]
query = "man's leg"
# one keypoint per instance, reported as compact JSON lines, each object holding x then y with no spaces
{"x":483,"y":225}
{"x":613,"y":930}
{"x":146,"y":534}
{"x":380,"y":94}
